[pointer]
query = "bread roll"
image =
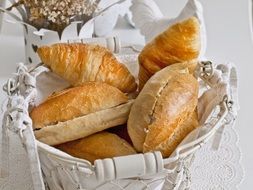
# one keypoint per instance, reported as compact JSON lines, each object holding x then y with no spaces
{"x":78,"y":112}
{"x":188,"y":66}
{"x":167,"y":100}
{"x":98,"y":146}
{"x":179,"y":43}
{"x":168,"y":146}
{"x":79,"y":63}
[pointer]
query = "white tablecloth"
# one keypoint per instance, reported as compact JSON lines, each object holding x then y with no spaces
{"x":211,"y":170}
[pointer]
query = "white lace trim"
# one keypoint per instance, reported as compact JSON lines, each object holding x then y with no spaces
{"x":219,"y":169}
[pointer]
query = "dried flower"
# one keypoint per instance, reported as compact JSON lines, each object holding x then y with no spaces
{"x":57,"y":14}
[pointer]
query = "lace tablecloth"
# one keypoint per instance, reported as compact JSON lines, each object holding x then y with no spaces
{"x":211,"y":169}
{"x":221,"y":169}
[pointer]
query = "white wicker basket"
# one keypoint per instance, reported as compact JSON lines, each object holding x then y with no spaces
{"x":136,"y":172}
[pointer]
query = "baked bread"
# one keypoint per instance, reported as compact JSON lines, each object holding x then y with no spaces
{"x":78,"y":112}
{"x":188,"y":66}
{"x":79,"y":63}
{"x":179,"y":43}
{"x":168,"y":147}
{"x":98,"y":146}
{"x":165,"y":103}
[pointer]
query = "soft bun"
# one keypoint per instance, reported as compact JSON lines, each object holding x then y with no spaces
{"x":167,"y":147}
{"x":167,"y":101}
{"x":98,"y":146}
{"x":78,"y":112}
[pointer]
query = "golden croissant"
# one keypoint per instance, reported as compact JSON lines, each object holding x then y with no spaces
{"x":79,"y":63}
{"x":179,"y":43}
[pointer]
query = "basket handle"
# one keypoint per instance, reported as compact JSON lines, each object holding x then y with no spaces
{"x":131,"y":166}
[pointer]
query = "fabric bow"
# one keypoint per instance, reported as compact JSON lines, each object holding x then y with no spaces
{"x":21,"y":91}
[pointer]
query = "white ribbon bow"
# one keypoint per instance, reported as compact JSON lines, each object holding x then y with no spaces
{"x":22,"y":92}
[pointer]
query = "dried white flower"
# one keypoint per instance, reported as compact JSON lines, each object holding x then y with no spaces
{"x":58,"y":13}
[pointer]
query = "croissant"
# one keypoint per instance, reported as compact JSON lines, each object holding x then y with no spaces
{"x":179,"y":43}
{"x":78,"y":63}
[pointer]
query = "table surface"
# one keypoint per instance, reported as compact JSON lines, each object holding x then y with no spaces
{"x":229,"y":39}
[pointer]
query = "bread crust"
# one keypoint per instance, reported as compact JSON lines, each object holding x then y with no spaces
{"x":168,"y":146}
{"x":75,"y":102}
{"x":79,"y":63}
{"x":167,"y":100}
{"x":85,"y":125}
{"x":98,"y":146}
{"x":179,"y":43}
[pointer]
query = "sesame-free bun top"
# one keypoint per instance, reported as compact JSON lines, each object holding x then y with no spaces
{"x":167,"y":100}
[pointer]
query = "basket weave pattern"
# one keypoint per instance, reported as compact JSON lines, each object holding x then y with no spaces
{"x":143,"y":171}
